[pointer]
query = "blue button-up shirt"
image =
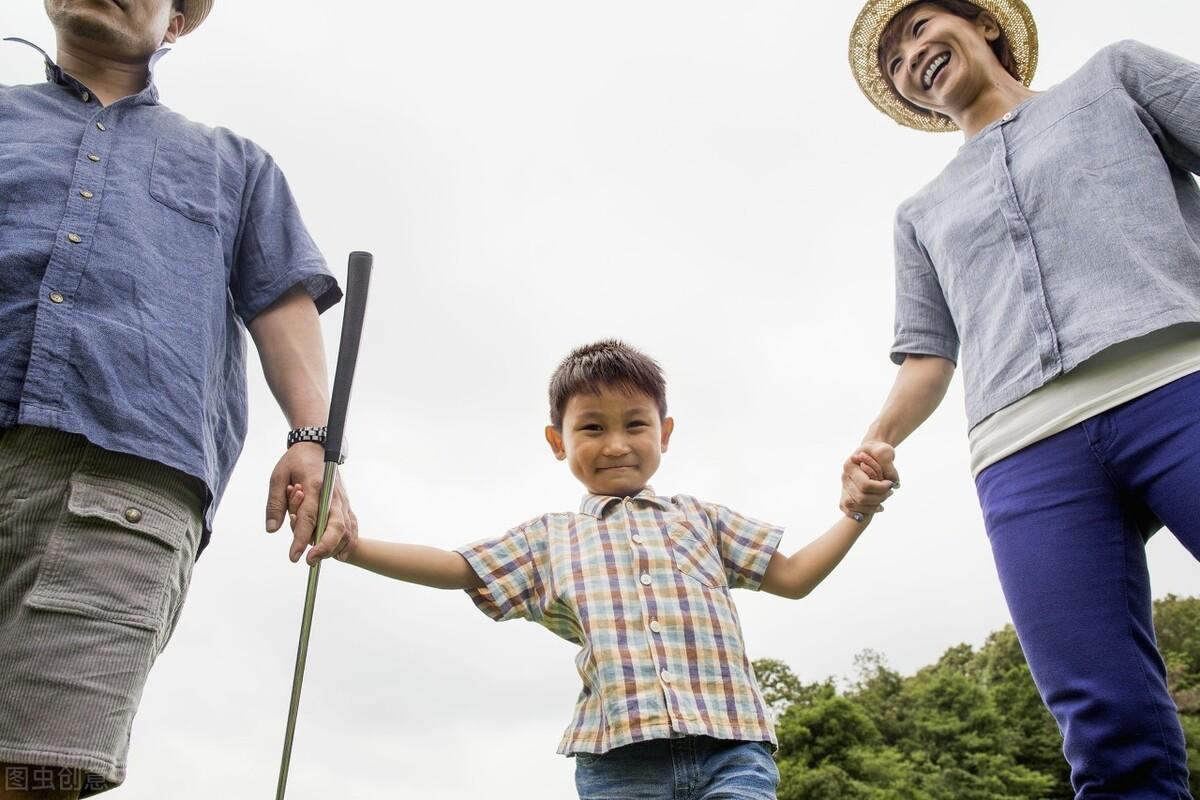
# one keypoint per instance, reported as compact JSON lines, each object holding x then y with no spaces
{"x":1067,"y":226}
{"x":134,"y":247}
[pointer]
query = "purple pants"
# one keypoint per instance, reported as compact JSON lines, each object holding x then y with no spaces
{"x":1068,"y":518}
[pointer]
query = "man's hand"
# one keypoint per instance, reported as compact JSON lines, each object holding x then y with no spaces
{"x":303,"y":466}
{"x":868,"y":478}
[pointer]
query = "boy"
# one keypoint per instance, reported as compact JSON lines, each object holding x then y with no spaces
{"x":641,"y":583}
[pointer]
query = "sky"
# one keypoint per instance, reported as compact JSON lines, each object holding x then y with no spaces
{"x":702,"y":179}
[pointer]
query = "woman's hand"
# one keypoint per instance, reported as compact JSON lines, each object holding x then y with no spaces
{"x":869,"y":477}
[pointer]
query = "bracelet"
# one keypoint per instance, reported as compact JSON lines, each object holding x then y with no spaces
{"x":312,"y":434}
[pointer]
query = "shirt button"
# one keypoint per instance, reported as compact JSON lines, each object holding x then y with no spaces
{"x":74,"y":238}
{"x":665,"y":675}
{"x":86,"y":96}
{"x":100,"y":126}
{"x":654,"y":626}
{"x":1007,"y":117}
{"x":133,"y":515}
{"x":645,"y":579}
{"x":93,"y":157}
{"x":637,"y":539}
{"x":56,"y":297}
{"x":85,"y":194}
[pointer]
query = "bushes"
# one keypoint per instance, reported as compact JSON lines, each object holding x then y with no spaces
{"x":970,"y":727}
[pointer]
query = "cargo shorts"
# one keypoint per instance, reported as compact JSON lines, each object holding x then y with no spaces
{"x":96,"y":553}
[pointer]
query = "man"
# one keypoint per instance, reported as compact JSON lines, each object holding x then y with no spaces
{"x":134,"y":247}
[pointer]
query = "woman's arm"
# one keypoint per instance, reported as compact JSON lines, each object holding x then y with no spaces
{"x":920,"y":385}
{"x":796,"y":575}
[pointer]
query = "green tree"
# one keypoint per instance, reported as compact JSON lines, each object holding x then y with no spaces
{"x":969,"y":727}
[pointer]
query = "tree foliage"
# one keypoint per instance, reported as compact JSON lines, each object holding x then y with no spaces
{"x":969,"y":727}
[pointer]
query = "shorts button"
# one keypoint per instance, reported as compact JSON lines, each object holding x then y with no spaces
{"x":133,"y":515}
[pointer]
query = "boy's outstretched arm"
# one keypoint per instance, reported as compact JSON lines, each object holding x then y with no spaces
{"x":796,"y":575}
{"x":412,"y":563}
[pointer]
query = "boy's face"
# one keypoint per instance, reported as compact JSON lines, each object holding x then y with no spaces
{"x":612,"y":441}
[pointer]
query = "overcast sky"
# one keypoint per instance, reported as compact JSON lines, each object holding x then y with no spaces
{"x":700,"y":178}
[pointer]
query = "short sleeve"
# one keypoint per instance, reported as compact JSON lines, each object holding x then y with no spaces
{"x":274,"y":251}
{"x":1167,"y":88}
{"x":508,"y":566}
{"x":746,"y":545}
{"x":924,"y":325}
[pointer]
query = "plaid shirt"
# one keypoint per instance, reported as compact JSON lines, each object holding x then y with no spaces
{"x":642,"y":586}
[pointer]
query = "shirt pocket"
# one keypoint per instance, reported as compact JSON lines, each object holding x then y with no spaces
{"x":121,"y":553}
{"x":695,"y":556}
{"x":183,"y":177}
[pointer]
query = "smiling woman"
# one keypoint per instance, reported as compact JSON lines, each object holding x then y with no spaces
{"x":1082,"y":375}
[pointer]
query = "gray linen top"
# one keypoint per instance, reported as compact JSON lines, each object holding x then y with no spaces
{"x":1067,"y":226}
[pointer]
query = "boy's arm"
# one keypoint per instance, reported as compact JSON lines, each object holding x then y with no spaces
{"x":414,"y":563}
{"x":795,"y":576}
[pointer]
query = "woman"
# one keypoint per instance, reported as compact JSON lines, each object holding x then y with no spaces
{"x":1060,"y":252}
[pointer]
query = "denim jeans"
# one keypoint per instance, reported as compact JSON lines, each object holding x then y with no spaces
{"x":1068,"y":518}
{"x":691,"y":768}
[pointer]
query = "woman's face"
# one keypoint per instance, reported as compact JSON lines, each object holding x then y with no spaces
{"x":942,"y":62}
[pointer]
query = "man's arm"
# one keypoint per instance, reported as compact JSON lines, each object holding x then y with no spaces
{"x":288,"y":337}
{"x":796,"y":575}
{"x":920,"y":386}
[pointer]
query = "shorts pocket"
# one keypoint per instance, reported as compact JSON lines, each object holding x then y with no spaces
{"x":695,"y":556}
{"x":115,"y":555}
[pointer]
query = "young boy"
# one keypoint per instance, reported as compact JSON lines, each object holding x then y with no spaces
{"x":641,"y":583}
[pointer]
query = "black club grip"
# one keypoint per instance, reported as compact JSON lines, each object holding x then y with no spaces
{"x":358,"y":281}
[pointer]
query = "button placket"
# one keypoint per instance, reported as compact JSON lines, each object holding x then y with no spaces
{"x":51,"y":333}
{"x":1028,"y":266}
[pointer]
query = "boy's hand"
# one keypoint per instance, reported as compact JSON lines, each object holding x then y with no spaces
{"x":295,"y":499}
{"x":868,"y":478}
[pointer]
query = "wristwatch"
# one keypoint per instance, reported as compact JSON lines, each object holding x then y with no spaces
{"x":312,"y":434}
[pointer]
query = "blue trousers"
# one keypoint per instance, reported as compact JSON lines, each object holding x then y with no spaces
{"x":1068,"y":519}
{"x":690,"y":768}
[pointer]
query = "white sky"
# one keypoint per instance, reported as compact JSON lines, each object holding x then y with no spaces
{"x":700,"y":178}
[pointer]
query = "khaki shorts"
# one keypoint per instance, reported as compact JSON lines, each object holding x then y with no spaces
{"x":96,"y":552}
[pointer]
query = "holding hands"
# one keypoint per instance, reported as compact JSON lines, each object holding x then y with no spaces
{"x":869,"y":477}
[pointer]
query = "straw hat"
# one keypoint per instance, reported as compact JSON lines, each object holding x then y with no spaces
{"x":1013,"y":16}
{"x":194,"y":12}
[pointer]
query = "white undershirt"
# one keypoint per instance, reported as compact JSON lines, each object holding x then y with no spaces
{"x":1106,"y":380}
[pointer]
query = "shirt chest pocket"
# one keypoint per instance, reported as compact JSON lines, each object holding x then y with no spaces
{"x":695,"y":555}
{"x":183,"y":178}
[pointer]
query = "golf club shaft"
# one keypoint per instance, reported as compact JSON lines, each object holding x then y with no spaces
{"x":358,"y":281}
{"x":310,"y":601}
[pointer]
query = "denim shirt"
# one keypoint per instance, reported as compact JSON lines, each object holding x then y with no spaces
{"x":1067,"y":226}
{"x":134,"y":247}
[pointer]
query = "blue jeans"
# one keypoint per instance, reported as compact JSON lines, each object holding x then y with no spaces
{"x":1068,"y":518}
{"x":691,"y":768}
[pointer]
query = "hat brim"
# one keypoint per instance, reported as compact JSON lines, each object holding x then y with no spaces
{"x":194,"y":12}
{"x":1013,"y":16}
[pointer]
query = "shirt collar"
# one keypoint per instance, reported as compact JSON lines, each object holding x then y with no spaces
{"x":596,"y":505}
{"x":55,"y":73}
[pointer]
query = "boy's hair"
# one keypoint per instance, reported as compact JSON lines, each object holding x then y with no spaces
{"x":610,"y":364}
{"x":891,"y":35}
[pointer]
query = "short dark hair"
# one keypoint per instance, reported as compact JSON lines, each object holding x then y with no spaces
{"x":892,"y":34}
{"x":607,"y":364}
{"x":177,"y":5}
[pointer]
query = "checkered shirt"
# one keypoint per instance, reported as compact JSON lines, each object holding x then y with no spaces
{"x":642,"y":585}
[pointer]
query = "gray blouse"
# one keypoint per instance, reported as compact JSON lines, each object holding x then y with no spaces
{"x":1067,"y":226}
